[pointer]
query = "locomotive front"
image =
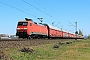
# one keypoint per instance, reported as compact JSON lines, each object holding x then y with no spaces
{"x":21,"y":30}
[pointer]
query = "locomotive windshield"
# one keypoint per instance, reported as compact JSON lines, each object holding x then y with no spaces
{"x":22,"y":23}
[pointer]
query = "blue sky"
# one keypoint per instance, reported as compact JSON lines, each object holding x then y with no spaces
{"x":63,"y":11}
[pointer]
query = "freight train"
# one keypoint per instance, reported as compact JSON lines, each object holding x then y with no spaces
{"x":29,"y":29}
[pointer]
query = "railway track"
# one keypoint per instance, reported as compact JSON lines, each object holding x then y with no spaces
{"x":19,"y":43}
{"x":12,"y":39}
{"x":31,"y":39}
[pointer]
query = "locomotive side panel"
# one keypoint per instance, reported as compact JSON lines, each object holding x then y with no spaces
{"x":40,"y":30}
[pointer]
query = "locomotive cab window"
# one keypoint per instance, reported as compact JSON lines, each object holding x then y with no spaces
{"x":22,"y":23}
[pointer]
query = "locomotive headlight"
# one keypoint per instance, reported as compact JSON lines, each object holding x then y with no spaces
{"x":25,"y":28}
{"x":18,"y":28}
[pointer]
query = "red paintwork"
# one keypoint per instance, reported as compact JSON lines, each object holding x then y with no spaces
{"x":55,"y":33}
{"x":41,"y":29}
{"x":35,"y":28}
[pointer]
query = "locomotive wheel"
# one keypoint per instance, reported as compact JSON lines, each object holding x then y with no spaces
{"x":29,"y":37}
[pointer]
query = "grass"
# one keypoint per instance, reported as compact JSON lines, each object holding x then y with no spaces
{"x":76,"y":51}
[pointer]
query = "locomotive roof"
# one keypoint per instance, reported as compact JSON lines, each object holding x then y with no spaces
{"x":26,"y":19}
{"x":22,"y":21}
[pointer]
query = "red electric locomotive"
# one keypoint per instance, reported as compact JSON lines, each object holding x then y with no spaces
{"x":29,"y":29}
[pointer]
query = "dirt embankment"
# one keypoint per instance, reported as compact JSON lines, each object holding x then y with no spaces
{"x":21,"y":44}
{"x":18,"y":44}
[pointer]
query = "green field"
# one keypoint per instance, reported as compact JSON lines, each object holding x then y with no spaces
{"x":77,"y":50}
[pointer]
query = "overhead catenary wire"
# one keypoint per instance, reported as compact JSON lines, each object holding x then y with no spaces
{"x":48,"y":7}
{"x":21,"y":6}
{"x":25,"y":8}
{"x":16,"y":8}
{"x":39,"y":9}
{"x":49,"y":12}
{"x":57,"y":23}
{"x":52,"y":10}
{"x":36,"y":8}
